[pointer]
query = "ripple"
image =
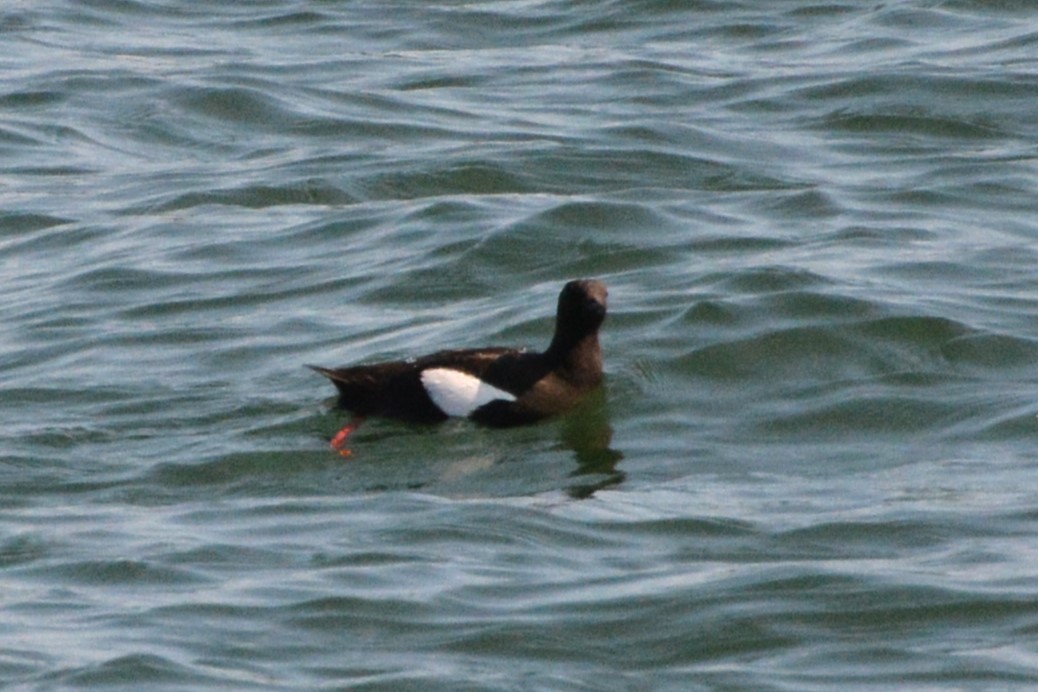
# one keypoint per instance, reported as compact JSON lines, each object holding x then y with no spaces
{"x":260,"y":197}
{"x":15,"y":223}
{"x":931,"y":126}
{"x":125,"y":573}
{"x":22,"y":550}
{"x":131,"y":669}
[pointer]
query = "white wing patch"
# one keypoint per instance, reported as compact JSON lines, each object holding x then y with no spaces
{"x":457,"y":393}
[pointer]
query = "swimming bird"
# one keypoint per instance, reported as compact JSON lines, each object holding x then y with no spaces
{"x":494,"y":386}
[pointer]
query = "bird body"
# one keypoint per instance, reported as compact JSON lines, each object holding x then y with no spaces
{"x":494,"y":386}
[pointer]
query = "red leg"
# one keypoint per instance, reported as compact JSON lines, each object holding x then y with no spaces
{"x":339,"y":441}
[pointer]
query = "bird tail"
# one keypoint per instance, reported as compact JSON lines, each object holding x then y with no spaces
{"x":357,"y":390}
{"x":339,"y":378}
{"x":327,"y":372}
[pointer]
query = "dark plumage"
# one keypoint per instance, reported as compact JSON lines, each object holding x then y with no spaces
{"x":514,"y":386}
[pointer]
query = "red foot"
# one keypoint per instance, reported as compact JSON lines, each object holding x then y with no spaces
{"x":339,"y":441}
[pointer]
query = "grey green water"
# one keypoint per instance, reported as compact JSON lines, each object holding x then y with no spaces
{"x":814,"y":464}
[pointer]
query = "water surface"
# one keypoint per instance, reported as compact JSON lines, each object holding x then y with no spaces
{"x":811,"y":465}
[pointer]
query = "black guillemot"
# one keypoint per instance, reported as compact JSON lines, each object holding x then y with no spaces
{"x":493,"y":386}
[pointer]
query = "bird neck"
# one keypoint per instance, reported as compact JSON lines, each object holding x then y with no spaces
{"x":579,"y":361}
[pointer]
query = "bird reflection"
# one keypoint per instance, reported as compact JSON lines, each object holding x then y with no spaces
{"x":584,"y":431}
{"x":588,"y":434}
